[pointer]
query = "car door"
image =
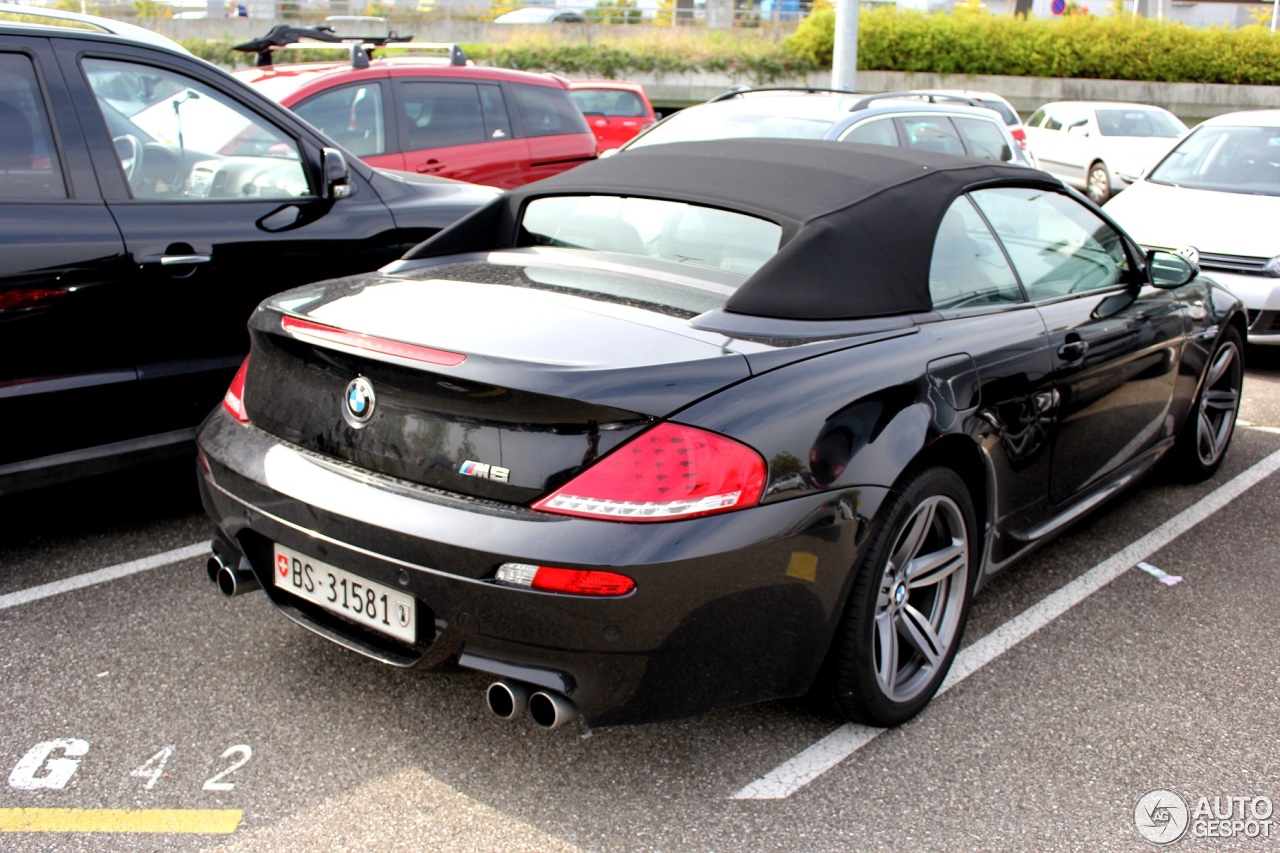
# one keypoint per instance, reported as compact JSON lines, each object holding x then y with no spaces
{"x":556,"y":133}
{"x":460,"y":130}
{"x":220,"y":201}
{"x":66,"y":364}
{"x":1116,"y":345}
{"x":1046,"y":136}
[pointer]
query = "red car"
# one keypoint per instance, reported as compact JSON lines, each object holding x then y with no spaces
{"x":441,"y":117}
{"x":616,"y":110}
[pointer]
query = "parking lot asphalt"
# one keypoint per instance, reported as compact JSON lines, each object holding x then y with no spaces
{"x":151,"y":710}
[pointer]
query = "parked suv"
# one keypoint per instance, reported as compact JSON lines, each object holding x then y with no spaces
{"x":148,"y":202}
{"x":433,"y":115}
{"x":943,"y":123}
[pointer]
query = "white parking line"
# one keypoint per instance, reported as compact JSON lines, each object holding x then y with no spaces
{"x":793,"y":774}
{"x":110,"y":573}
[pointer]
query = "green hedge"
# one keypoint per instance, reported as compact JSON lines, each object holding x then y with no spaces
{"x":964,"y":42}
{"x":1112,"y":48}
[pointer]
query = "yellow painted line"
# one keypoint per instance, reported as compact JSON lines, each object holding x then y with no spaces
{"x":181,"y":821}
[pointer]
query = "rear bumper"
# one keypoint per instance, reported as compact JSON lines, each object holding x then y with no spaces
{"x":727,"y":610}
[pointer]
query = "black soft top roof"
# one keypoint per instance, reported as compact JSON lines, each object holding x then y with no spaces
{"x":858,"y":221}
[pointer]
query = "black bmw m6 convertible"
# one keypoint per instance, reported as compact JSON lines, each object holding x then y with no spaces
{"x":710,"y":424}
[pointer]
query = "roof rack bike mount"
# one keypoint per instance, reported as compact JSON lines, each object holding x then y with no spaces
{"x":283,"y":35}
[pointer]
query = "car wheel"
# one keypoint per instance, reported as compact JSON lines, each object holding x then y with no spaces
{"x":1203,"y":442}
{"x":908,"y":605}
{"x":1098,"y":182}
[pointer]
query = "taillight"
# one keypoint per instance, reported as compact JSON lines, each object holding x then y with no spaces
{"x":666,"y":473}
{"x":572,"y":581}
{"x":233,"y":400}
{"x":1020,"y":135}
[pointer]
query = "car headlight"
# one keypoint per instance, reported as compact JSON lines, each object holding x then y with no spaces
{"x":1272,"y":267}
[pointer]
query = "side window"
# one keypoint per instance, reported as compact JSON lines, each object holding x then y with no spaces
{"x":179,"y":139}
{"x":546,"y":112}
{"x":985,"y":139}
{"x":1036,"y":118}
{"x":1058,"y":246}
{"x":352,"y":116}
{"x":438,"y":115}
{"x":968,"y":269}
{"x":932,"y":133}
{"x":1052,"y":123}
{"x":29,"y":167}
{"x":497,"y":124}
{"x":876,"y":131}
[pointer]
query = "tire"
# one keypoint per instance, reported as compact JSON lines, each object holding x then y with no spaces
{"x":1205,"y":436}
{"x":905,"y":615}
{"x":1098,"y":182}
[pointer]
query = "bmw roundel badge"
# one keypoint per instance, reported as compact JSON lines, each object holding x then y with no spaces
{"x":358,"y":402}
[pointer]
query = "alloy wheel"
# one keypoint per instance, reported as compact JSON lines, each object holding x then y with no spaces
{"x":921,"y":600}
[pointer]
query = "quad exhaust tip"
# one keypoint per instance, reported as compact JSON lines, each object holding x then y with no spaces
{"x":231,"y":581}
{"x":509,"y":700}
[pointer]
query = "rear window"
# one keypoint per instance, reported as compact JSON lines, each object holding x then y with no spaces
{"x":547,"y":112}
{"x":668,"y":230}
{"x":1138,"y":122}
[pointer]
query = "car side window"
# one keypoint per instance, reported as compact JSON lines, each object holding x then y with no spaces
{"x":545,"y":111}
{"x":352,"y":116}
{"x":438,"y":115}
{"x":29,"y":167}
{"x":497,"y":124}
{"x":1058,"y":246}
{"x":876,"y":131}
{"x":932,"y":133}
{"x":968,"y":268}
{"x":178,"y":139}
{"x":985,"y":138}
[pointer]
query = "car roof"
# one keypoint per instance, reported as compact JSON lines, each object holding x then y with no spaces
{"x":280,"y":81}
{"x":58,"y":22}
{"x":1104,"y":105}
{"x":825,"y":195}
{"x":1247,"y":118}
{"x":626,"y":85}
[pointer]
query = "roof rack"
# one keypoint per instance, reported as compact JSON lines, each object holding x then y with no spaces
{"x":360,"y":48}
{"x":748,"y":90}
{"x":927,"y":97}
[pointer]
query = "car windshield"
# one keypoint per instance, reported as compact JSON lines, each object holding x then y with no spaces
{"x":703,"y":125}
{"x":653,"y":228}
{"x":1227,"y":159}
{"x":1138,"y":122}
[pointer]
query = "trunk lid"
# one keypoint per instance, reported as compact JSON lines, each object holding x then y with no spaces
{"x":480,"y":382}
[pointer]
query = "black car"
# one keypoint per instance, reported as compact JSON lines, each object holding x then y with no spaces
{"x":148,"y":201}
{"x":709,"y":424}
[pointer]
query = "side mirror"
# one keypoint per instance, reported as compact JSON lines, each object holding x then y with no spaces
{"x":337,"y":177}
{"x":1172,"y":269}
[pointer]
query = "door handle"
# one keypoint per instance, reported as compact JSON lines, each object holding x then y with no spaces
{"x":177,"y":260}
{"x":430,"y":166}
{"x":1073,"y":350}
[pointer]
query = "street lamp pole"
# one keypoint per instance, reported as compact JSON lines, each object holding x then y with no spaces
{"x":844,"y":59}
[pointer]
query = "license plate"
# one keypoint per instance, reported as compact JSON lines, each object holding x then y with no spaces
{"x":361,"y":600}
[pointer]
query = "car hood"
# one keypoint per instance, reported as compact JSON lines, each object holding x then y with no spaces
{"x":1130,"y":155}
{"x":1220,"y":223}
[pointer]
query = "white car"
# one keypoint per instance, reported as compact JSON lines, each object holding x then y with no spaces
{"x":1100,"y":147}
{"x":1218,"y":191}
